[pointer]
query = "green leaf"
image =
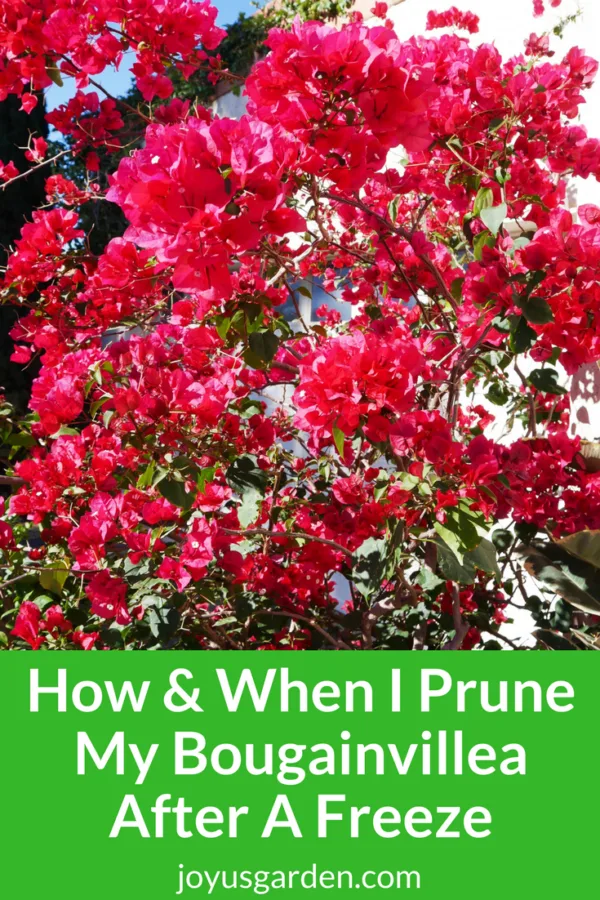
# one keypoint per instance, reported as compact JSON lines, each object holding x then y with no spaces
{"x":65,"y":431}
{"x":483,"y":239}
{"x":97,"y":405}
{"x":264,"y":345}
{"x":409,"y":482}
{"x":451,"y":541}
{"x":250,"y":406}
{"x":249,"y":481}
{"x":249,"y":508}
{"x":493,"y":217}
{"x":223,"y":326}
{"x":43,"y":600}
{"x":184,"y":465}
{"x":175,"y":493}
{"x":498,"y":394}
{"x":584,"y":545}
{"x":145,"y":479}
{"x":524,"y":530}
{"x":459,"y":570}
{"x":551,"y":640}
{"x":483,"y":200}
{"x":244,"y":472}
{"x":428,"y":580}
{"x":537,"y":310}
{"x":54,"y":74}
{"x":561,"y":616}
{"x":163,"y":622}
{"x":228,"y":620}
{"x":467,"y":525}
{"x":523,"y":337}
{"x":484,"y":557}
{"x":573,"y":580}
{"x":151,"y":599}
{"x":204,"y":476}
{"x":339,"y":439}
{"x":252,"y":360}
{"x":393,"y":209}
{"x":21,"y":440}
{"x":590,"y":640}
{"x":456,"y":288}
{"x":464,"y":571}
{"x":502,"y":538}
{"x":519,"y":243}
{"x":369,"y":566}
{"x":54,"y":576}
{"x":492,"y":645}
{"x":546,"y":380}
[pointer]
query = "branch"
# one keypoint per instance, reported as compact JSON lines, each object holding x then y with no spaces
{"x":123,"y":103}
{"x":498,"y":634}
{"x":461,"y":627}
{"x":339,"y":645}
{"x":255,"y":532}
{"x":45,"y":162}
{"x":530,"y":400}
{"x":403,"y":233}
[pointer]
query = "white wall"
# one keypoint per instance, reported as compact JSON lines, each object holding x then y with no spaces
{"x":506,"y":24}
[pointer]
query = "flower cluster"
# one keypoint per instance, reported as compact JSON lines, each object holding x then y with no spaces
{"x":42,"y":39}
{"x":345,"y":95}
{"x":201,"y":192}
{"x":453,"y":18}
{"x":539,"y":8}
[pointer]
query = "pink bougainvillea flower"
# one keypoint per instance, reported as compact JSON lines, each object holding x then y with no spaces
{"x":27,"y":626}
{"x":108,"y":595}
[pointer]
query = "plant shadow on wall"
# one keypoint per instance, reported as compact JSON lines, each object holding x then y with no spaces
{"x":204,"y":464}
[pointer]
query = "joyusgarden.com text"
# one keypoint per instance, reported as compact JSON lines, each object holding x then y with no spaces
{"x":285,"y":765}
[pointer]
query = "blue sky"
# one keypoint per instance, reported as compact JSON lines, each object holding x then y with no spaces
{"x":118,"y":82}
{"x":230,"y":9}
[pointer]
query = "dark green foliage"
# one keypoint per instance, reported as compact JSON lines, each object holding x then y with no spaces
{"x":244,"y":43}
{"x":17,"y":202}
{"x":100,"y":219}
{"x":19,"y":199}
{"x":574,"y":580}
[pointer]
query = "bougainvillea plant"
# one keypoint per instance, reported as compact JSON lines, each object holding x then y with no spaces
{"x":202,"y":469}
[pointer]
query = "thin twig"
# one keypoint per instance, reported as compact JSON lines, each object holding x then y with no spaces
{"x":28,"y":172}
{"x":255,"y":532}
{"x":338,"y":644}
{"x":460,"y":626}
